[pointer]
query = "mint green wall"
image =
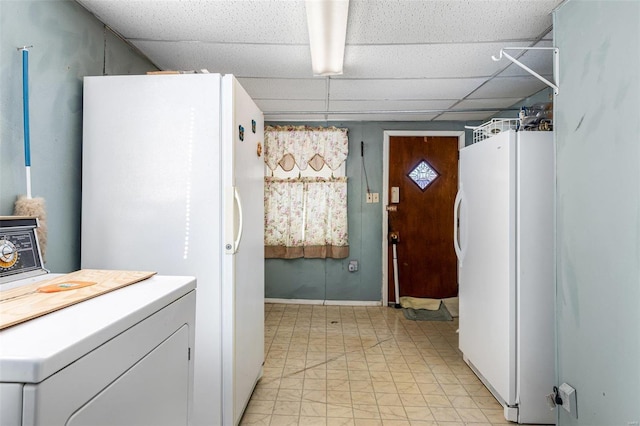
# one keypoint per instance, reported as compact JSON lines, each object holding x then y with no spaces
{"x":598,"y":209}
{"x":320,"y":279}
{"x":68,"y":44}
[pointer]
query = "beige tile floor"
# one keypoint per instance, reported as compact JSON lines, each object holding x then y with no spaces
{"x":345,"y":365}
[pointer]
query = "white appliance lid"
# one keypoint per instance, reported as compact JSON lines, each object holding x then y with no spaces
{"x":32,"y":351}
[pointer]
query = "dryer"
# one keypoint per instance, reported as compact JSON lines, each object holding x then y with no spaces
{"x":122,"y":358}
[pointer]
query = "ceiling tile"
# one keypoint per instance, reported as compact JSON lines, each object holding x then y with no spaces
{"x":390,"y":105}
{"x":501,"y":103}
{"x":509,"y":87}
{"x":424,"y":61}
{"x":281,"y":88}
{"x":375,"y":89}
{"x":466,"y":116}
{"x":242,"y":60}
{"x":407,"y":21}
{"x":295,"y":106}
{"x":240,"y":21}
{"x":381,"y":117}
{"x":384,"y":21}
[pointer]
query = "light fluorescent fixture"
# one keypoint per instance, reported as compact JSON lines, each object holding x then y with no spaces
{"x":327,"y":23}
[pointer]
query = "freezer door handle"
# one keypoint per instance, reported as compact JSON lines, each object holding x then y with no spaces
{"x":456,"y":225}
{"x":236,"y":194}
{"x":231,"y":239}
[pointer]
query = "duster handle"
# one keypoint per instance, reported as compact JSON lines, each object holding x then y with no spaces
{"x":25,"y":113}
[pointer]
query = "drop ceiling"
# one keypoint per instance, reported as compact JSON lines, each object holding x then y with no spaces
{"x":405,"y":60}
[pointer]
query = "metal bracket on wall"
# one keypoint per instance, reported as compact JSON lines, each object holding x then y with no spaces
{"x":556,"y":64}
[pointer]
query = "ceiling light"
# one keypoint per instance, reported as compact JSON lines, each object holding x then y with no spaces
{"x":327,"y":22}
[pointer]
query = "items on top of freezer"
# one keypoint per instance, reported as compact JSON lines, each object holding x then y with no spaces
{"x":493,"y":127}
{"x":537,"y":117}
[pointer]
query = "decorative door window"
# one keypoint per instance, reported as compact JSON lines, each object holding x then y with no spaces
{"x":423,"y":175}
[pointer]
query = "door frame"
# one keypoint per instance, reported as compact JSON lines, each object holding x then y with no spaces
{"x":460,"y":134}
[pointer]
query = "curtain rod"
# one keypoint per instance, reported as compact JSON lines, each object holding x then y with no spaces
{"x":424,"y":111}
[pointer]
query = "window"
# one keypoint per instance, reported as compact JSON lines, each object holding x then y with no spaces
{"x":305,"y":202}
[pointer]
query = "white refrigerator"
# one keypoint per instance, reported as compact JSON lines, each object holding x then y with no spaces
{"x":505,"y":245}
{"x":173,"y":182}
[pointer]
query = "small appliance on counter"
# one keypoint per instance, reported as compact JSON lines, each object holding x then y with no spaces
{"x":19,"y":249}
{"x":121,"y":354}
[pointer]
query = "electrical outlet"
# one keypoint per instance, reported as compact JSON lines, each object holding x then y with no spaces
{"x":369,"y":197}
{"x":376,"y":197}
{"x":569,"y":400}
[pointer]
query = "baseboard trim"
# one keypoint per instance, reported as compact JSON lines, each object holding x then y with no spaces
{"x":324,"y":302}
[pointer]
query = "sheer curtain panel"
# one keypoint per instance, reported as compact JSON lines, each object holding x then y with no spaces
{"x":305,"y":216}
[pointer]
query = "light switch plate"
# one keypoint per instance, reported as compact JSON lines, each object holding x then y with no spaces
{"x":395,"y":194}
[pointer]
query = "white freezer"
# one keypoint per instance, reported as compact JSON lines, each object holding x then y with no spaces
{"x":506,"y":251}
{"x":171,"y":185}
{"x":120,"y":358}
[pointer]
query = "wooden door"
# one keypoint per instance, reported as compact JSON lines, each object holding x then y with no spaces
{"x":425,"y":171}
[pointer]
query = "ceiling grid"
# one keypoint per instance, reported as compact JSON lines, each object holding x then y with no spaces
{"x":404,"y":59}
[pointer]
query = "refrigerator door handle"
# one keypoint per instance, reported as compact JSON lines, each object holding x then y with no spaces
{"x":456,"y":219}
{"x":236,"y":243}
{"x":231,"y":239}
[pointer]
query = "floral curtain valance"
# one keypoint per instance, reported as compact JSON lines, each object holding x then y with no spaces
{"x":303,"y":146}
{"x":306,"y":217}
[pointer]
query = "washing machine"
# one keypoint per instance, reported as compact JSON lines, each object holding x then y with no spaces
{"x":122,"y":358}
